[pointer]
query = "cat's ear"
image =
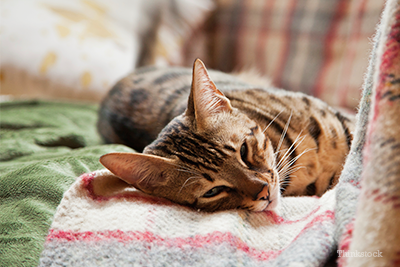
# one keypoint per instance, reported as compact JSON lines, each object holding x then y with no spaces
{"x":205,"y":99}
{"x":145,"y":172}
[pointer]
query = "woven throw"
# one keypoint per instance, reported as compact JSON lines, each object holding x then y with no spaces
{"x":102,"y":221}
{"x":370,"y":232}
{"x":314,"y":46}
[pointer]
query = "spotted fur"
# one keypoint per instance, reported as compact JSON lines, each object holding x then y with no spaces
{"x":238,"y":146}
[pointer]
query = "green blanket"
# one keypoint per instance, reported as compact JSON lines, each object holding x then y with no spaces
{"x":44,"y":146}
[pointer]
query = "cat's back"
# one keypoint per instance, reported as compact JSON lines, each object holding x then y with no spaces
{"x":139,"y":106}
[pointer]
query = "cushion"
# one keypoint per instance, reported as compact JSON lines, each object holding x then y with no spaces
{"x":78,"y":49}
{"x":317,"y":47}
{"x":65,"y":49}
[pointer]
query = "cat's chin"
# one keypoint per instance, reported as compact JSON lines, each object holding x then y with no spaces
{"x":264,"y":205}
{"x":272,"y":205}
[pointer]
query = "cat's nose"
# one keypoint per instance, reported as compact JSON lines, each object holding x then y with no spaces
{"x":264,"y":193}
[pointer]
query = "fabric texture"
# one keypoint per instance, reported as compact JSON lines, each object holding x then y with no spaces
{"x":31,"y":127}
{"x":317,"y":47}
{"x":102,"y":221}
{"x":375,"y":229}
{"x":44,"y":146}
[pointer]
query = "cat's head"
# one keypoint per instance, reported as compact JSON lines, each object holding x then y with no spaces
{"x":213,"y":157}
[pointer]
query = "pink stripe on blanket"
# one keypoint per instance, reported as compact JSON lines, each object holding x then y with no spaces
{"x":280,"y":220}
{"x":148,"y":237}
{"x":326,"y":216}
{"x":345,"y":242}
{"x":384,"y":197}
{"x":198,"y":241}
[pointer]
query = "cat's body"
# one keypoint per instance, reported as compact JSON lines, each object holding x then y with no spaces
{"x":221,"y":151}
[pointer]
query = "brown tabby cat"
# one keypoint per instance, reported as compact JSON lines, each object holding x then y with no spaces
{"x":214,"y":151}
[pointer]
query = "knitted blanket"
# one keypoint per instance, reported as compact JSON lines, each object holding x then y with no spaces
{"x":368,"y":198}
{"x":102,"y":221}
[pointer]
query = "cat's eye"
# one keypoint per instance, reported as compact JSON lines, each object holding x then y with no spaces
{"x":215,"y":191}
{"x":243,"y":152}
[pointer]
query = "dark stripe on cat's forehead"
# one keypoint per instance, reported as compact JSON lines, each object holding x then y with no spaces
{"x":189,"y":147}
{"x":195,"y":163}
{"x":169,"y":150}
{"x":208,"y":177}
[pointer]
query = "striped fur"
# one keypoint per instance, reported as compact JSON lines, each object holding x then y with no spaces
{"x":242,"y":148}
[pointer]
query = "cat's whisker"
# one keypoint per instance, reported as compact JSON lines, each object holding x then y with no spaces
{"x":291,"y":170}
{"x":296,"y":140}
{"x":277,"y":152}
{"x":188,"y":171}
{"x":177,"y":165}
{"x":296,"y":158}
{"x":284,"y":182}
{"x":299,"y":139}
{"x":191,"y":183}
{"x":288,"y":173}
{"x":185,"y":169}
{"x":273,"y":120}
{"x":287,"y":168}
{"x":284,"y":131}
{"x":296,"y":143}
{"x":187,"y":180}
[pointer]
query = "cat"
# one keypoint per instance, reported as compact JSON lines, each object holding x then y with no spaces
{"x":235,"y":147}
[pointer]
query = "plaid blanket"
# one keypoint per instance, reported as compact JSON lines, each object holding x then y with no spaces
{"x":314,"y":46}
{"x":373,"y":228}
{"x":102,"y":221}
